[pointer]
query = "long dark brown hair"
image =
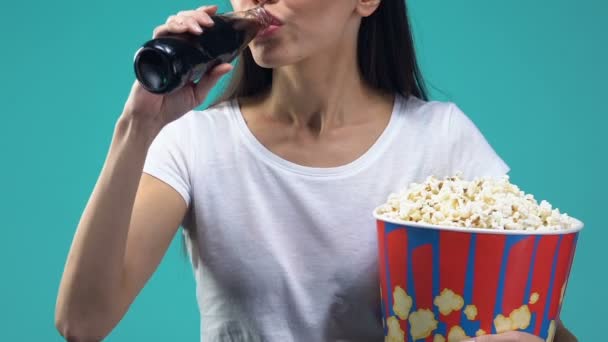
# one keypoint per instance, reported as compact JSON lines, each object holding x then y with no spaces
{"x":386,"y":58}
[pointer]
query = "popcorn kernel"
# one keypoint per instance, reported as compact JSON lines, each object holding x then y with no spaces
{"x":402,"y":303}
{"x":502,"y":324}
{"x":457,"y":334}
{"x":422,"y":323}
{"x":395,"y":334}
{"x":471,"y":312}
{"x":551,"y":332}
{"x":520,"y":318}
{"x":448,"y":301}
{"x":438,"y":338}
{"x":534,"y":298}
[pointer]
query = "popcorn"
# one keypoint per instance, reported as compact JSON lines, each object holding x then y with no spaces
{"x":480,"y":332}
{"x":534,"y":298}
{"x":471,"y":312}
{"x":422,"y":323}
{"x":457,"y":334}
{"x":448,"y":301}
{"x":403,"y":303}
{"x":551,"y":332}
{"x":395,"y":334}
{"x":481,"y":203}
{"x":520,"y":318}
{"x":438,"y":338}
{"x":502,"y":324}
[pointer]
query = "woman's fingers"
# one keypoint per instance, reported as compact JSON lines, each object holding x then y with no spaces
{"x":201,"y":16}
{"x":173,"y":25}
{"x":208,"y":9}
{"x":192,"y":21}
{"x":202,"y":88}
{"x":511,"y":336}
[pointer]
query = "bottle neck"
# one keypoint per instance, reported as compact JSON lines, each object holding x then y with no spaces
{"x":257,"y":14}
{"x":261,"y":16}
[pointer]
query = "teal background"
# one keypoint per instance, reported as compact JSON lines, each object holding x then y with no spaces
{"x":531,"y":74}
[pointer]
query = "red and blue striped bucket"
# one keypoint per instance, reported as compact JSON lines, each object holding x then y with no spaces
{"x":442,"y":284}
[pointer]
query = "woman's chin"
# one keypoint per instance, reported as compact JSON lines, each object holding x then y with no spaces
{"x":265,"y":65}
{"x":269,"y":63}
{"x":270,"y":58}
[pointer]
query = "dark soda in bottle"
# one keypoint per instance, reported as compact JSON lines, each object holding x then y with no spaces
{"x":169,"y":62}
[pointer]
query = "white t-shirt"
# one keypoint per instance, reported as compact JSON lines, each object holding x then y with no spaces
{"x":284,"y":252}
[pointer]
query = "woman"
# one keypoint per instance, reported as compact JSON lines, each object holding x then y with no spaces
{"x":327,"y":114}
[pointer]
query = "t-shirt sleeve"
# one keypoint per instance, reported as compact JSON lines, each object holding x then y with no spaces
{"x":168,"y":159}
{"x":469,"y":151}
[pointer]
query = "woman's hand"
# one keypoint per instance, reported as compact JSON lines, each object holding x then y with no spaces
{"x":165,"y":108}
{"x":511,"y":336}
{"x":561,"y":335}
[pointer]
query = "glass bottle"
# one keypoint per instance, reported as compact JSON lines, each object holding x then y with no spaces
{"x":167,"y":63}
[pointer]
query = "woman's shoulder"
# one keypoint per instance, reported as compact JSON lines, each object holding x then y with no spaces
{"x":427,"y":113}
{"x":216,"y":111}
{"x":199,"y":127}
{"x":415,"y":105}
{"x":212,"y":117}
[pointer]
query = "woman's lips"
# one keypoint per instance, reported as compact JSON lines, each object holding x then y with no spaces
{"x":273,"y":28}
{"x":269,"y":31}
{"x":275,"y":21}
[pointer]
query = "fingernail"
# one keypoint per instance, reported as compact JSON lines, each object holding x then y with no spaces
{"x":198,"y":29}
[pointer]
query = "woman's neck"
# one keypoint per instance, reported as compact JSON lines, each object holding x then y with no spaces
{"x":322,"y":93}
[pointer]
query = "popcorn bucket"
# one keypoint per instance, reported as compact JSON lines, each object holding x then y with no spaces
{"x":446,"y":284}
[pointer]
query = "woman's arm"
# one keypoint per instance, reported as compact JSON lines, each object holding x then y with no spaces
{"x":124,"y":231}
